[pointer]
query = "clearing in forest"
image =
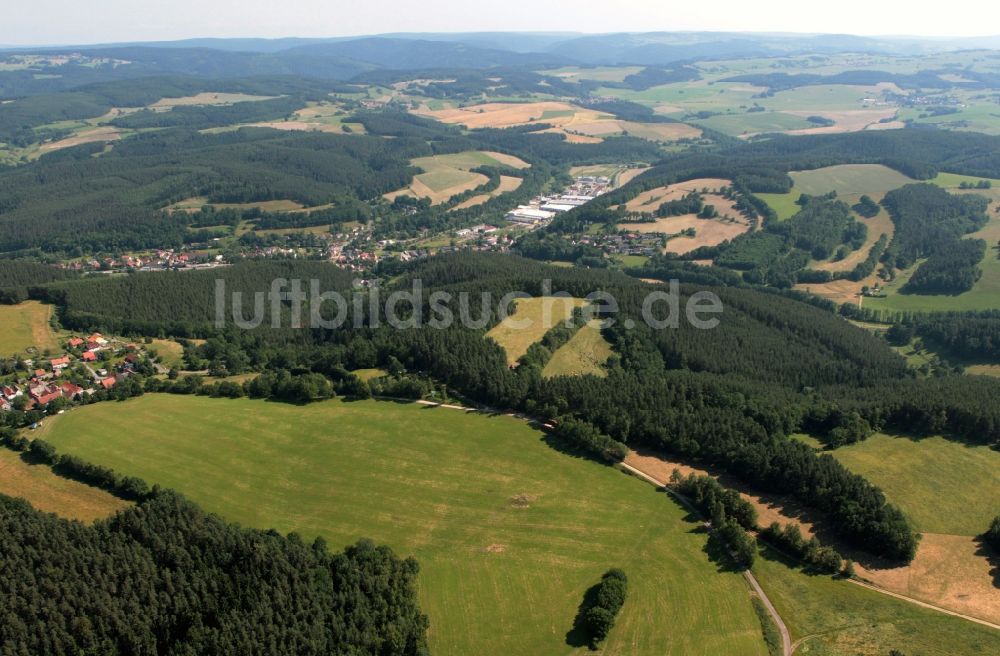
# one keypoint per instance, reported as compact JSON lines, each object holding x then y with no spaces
{"x":51,"y":493}
{"x":530,"y":320}
{"x":585,"y":353}
{"x":25,"y":325}
{"x":445,"y":176}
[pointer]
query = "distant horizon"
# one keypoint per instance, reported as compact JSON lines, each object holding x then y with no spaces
{"x":435,"y":35}
{"x":61,"y":23}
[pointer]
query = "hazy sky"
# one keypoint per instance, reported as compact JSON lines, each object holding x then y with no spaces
{"x":72,"y":21}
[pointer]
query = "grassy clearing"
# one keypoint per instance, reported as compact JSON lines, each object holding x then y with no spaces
{"x":445,"y":176}
{"x":585,"y":353}
{"x":531,"y":319}
{"x":509,"y":532}
{"x":368,"y":374}
{"x":754,"y":123}
{"x":171,"y":353}
{"x":984,"y":295}
{"x":25,"y":325}
{"x":783,"y":204}
{"x":871,"y":179}
{"x":834,"y":617}
{"x":50,"y":493}
{"x":943,"y":486}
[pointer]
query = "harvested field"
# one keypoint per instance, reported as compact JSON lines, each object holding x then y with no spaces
{"x":770,"y":508}
{"x":206,"y":98}
{"x":650,"y":200}
{"x":708,"y":232}
{"x":83,"y":137}
{"x":853,"y":120}
{"x":585,"y":125}
{"x":950,"y":571}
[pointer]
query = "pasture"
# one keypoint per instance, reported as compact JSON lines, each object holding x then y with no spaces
{"x":26,"y":325}
{"x":585,"y":353}
{"x":985,"y":294}
{"x":530,"y":320}
{"x":509,"y":532}
{"x":50,"y":493}
{"x":946,"y":489}
{"x":954,"y":499}
{"x":829,"y":617}
{"x":849,"y":180}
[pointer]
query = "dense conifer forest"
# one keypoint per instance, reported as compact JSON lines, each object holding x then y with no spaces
{"x":164,"y":577}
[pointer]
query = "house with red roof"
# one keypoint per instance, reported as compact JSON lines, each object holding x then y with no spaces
{"x":89,"y":356}
{"x":108,"y":383}
{"x":44,"y":394}
{"x":71,"y":390}
{"x":59,"y":363}
{"x":75,"y":342}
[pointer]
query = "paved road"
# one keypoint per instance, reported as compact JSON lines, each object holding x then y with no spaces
{"x":786,"y":638}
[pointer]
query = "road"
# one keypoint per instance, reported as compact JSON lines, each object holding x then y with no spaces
{"x":786,"y":637}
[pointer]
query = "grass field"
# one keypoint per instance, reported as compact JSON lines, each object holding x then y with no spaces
{"x":983,"y":296}
{"x":947,"y":489}
{"x":834,"y":617}
{"x":783,"y":204}
{"x":943,"y":486}
{"x":50,"y":493}
{"x":849,"y":179}
{"x":445,"y":176}
{"x":26,"y":325}
{"x":585,"y":353}
{"x":531,"y":319}
{"x":509,"y":532}
{"x":171,"y":353}
{"x":744,"y":123}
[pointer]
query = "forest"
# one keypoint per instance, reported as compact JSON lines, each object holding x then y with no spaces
{"x":164,"y":577}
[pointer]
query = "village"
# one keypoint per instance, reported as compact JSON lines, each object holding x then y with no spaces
{"x":88,"y":366}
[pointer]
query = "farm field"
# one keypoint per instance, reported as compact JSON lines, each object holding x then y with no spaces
{"x":828,"y":617}
{"x":205,"y":98}
{"x":849,"y":180}
{"x":507,"y":183}
{"x":985,"y":295}
{"x":953,"y":499}
{"x":508,"y":531}
{"x":748,"y":124}
{"x":585,"y":353}
{"x":649,"y":201}
{"x":531,"y":319}
{"x":576,"y":123}
{"x":708,"y":232}
{"x":25,"y":325}
{"x":445,"y":176}
{"x":946,"y":489}
{"x":50,"y":493}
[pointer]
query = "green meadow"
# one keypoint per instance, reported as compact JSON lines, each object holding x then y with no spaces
{"x":509,"y":532}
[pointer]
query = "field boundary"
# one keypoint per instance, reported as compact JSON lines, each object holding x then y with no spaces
{"x":864,"y":584}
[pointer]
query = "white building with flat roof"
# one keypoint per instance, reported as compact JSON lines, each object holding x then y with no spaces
{"x":529,"y":215}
